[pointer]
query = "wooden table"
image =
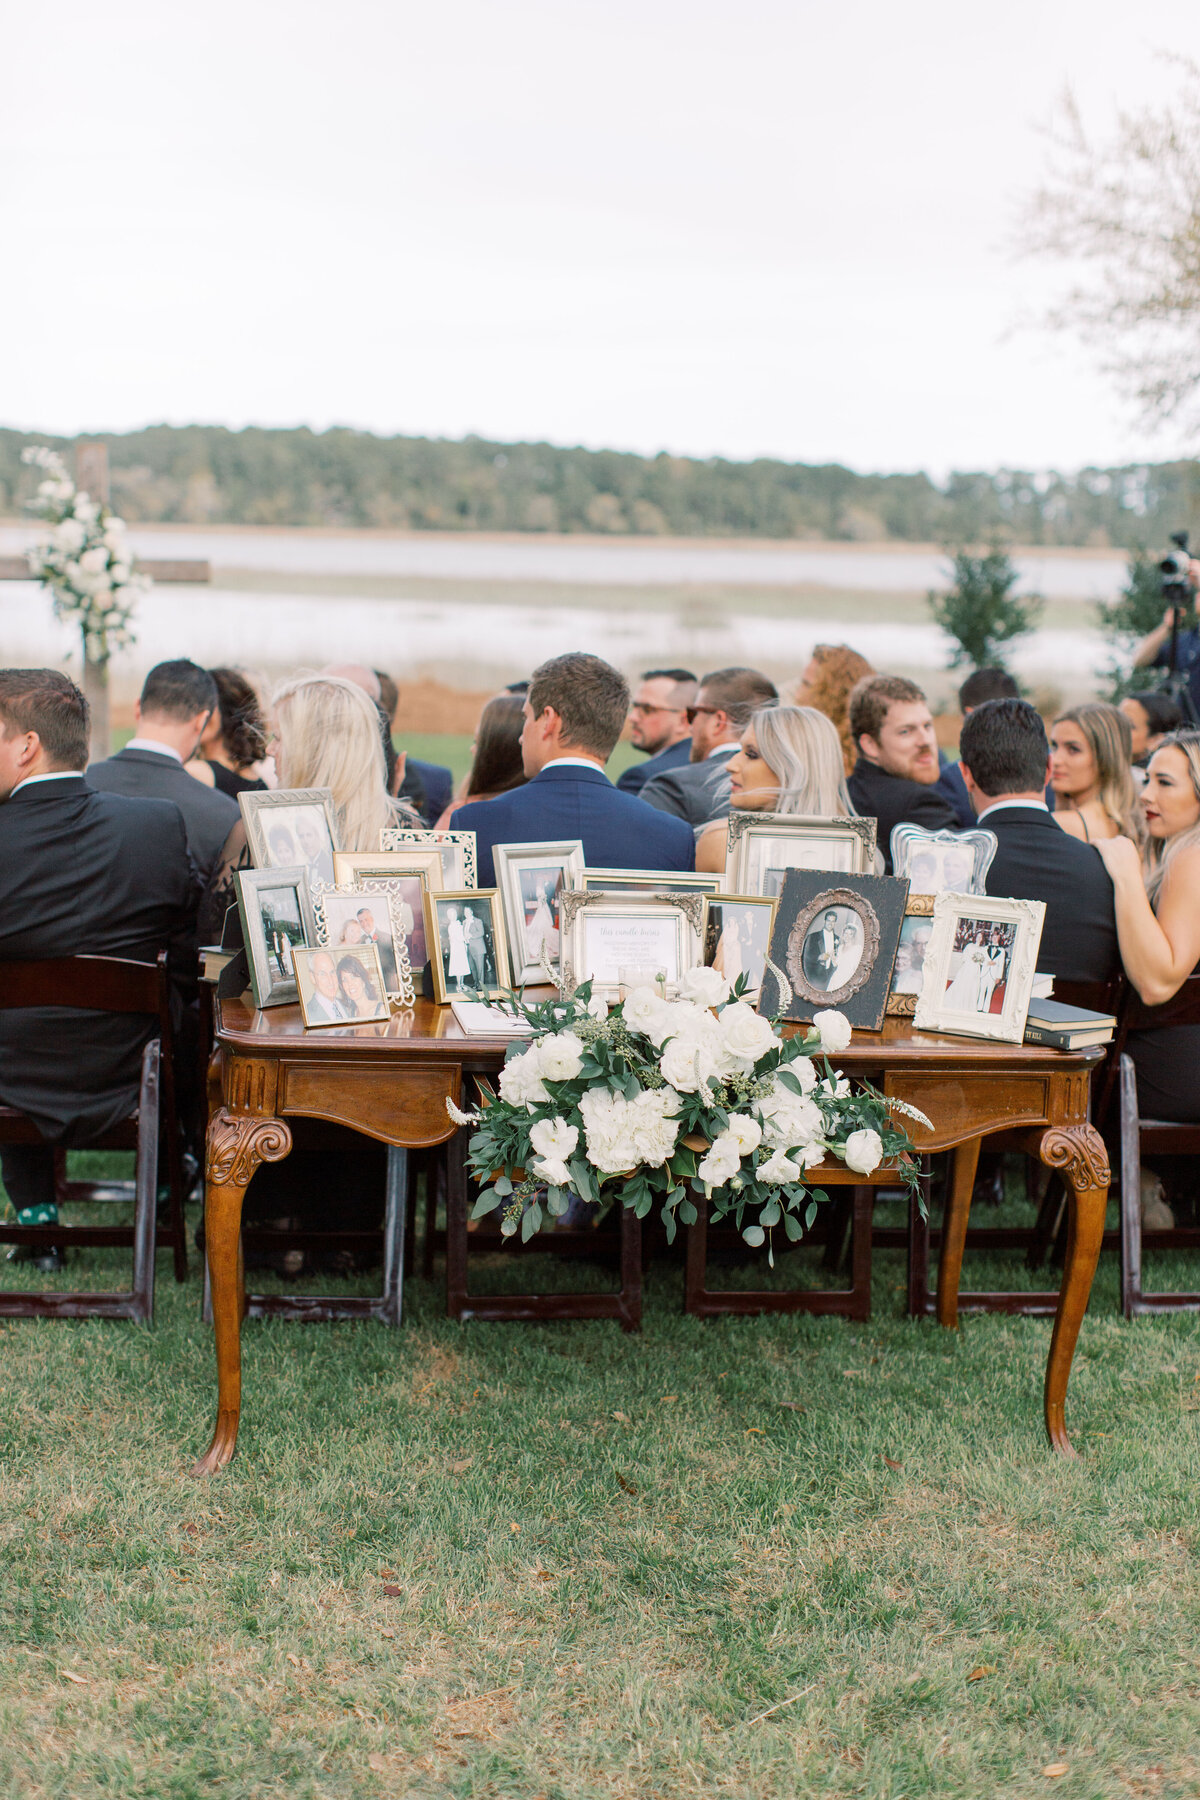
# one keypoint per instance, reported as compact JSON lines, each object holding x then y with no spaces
{"x":392,"y":1082}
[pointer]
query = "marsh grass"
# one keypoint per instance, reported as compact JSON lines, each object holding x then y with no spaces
{"x":743,"y":1558}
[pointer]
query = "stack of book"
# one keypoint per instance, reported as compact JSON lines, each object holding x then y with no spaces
{"x":1063,"y":1027}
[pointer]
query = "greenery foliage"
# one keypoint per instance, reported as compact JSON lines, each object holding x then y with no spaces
{"x":1128,"y":619}
{"x":980,"y":612}
{"x":202,"y":474}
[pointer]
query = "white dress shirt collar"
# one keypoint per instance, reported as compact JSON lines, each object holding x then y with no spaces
{"x":572,"y":762}
{"x":1006,"y":805}
{"x":54,"y":775}
{"x":153,"y":745}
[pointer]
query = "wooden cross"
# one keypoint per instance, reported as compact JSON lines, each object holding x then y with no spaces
{"x":91,"y":474}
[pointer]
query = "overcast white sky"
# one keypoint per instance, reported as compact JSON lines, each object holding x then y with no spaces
{"x":774,"y":227}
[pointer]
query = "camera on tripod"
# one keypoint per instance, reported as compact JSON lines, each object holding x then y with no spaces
{"x":1175,"y":569}
{"x":1179,"y":592}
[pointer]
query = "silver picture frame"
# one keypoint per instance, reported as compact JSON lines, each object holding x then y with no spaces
{"x":979,"y":966}
{"x":604,"y":932}
{"x":942,"y":862}
{"x":290,"y":826}
{"x":644,"y":881}
{"x":536,"y":876}
{"x":269,"y":933}
{"x":762,"y":847}
{"x":457,"y":849}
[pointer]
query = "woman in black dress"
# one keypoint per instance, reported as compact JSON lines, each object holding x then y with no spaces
{"x":1158,"y":924}
{"x":234,"y":739}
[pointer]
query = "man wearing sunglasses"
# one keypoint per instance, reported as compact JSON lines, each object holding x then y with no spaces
{"x":722,"y":709}
{"x":658,"y":725}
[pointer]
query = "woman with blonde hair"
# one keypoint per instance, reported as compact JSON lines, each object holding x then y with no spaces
{"x":790,"y":761}
{"x":1091,"y":772}
{"x":826,"y":683}
{"x":1158,"y":924}
{"x":328,"y":736}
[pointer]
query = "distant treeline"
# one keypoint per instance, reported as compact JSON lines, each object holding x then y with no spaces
{"x":205,"y":474}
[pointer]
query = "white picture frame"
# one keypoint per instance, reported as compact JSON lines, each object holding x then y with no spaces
{"x":532,"y":879}
{"x":372,"y":909}
{"x":979,"y":966}
{"x":762,"y":847}
{"x":457,"y":851}
{"x":603,"y":933}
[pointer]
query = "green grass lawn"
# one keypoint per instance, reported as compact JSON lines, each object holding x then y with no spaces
{"x":744,"y":1558}
{"x":455,"y":752}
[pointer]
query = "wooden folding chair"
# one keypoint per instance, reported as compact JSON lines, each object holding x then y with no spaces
{"x":117,"y":985}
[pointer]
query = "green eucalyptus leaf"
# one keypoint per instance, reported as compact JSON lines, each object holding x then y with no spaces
{"x":754,"y":1235}
{"x":487,"y":1202}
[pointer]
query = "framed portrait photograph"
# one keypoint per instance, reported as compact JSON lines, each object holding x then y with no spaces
{"x":341,"y":986}
{"x":457,"y":850}
{"x":468,"y":953}
{"x":942,"y":862}
{"x":980,"y":965}
{"x":622,"y":941}
{"x":277,"y":919}
{"x":290,"y":826}
{"x":836,"y":946}
{"x":647,"y":881}
{"x":737,"y":937}
{"x":368,"y":912}
{"x":762,"y":847}
{"x":532,"y":879}
{"x":909,"y":970}
{"x":409,"y":875}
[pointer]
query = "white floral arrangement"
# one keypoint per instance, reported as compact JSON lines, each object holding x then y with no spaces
{"x":657,"y":1097}
{"x":83,"y":556}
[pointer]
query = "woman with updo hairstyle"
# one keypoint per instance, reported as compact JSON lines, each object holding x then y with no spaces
{"x":790,"y":761}
{"x":234,"y":741}
{"x":826,"y":684}
{"x":496,"y":765}
{"x":327,"y":736}
{"x":1091,"y":773}
{"x":1158,"y":925}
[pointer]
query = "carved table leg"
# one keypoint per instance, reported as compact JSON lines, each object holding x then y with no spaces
{"x":963,"y":1165}
{"x":237,"y":1144}
{"x":1078,"y":1151}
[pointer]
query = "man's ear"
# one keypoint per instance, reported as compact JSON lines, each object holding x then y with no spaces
{"x":866,"y":746}
{"x":137,"y":712}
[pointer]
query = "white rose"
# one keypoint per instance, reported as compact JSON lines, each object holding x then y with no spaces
{"x":86,"y":510}
{"x":688,"y":1065}
{"x":95,"y":560}
{"x":779,"y":1169}
{"x":863,"y":1152}
{"x":835,"y":1090}
{"x":560,"y":1058}
{"x":708,"y":987}
{"x":815,"y":1152}
{"x":552,"y":1171}
{"x":554,"y":1138}
{"x":722,"y":1161}
{"x":69,"y":537}
{"x":745,"y":1034}
{"x":646,"y":1011}
{"x":520,"y":1080}
{"x":746,"y":1132}
{"x":834,"y":1029}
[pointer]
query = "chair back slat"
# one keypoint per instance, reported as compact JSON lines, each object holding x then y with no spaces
{"x":1092,"y":996}
{"x":100,"y":983}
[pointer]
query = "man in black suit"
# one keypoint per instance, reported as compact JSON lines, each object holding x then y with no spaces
{"x":724,"y":706}
{"x":81,"y":874}
{"x":895,"y":778}
{"x":658,"y":726}
{"x":1004,"y":758}
{"x":176,"y":703}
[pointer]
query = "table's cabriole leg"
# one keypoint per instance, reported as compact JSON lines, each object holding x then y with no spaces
{"x":1078,"y":1151}
{"x":237,"y":1143}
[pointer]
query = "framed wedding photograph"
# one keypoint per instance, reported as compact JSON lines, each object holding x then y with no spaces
{"x":457,"y":850}
{"x":836,"y":947}
{"x":367,"y":912}
{"x":277,"y":919}
{"x":909,"y":970}
{"x":468,"y":952}
{"x":647,"y":881}
{"x":341,"y":986}
{"x":290,"y":826}
{"x":620,"y":941}
{"x":409,"y":875}
{"x":532,"y":879}
{"x":737,"y":937}
{"x":979,"y":967}
{"x":942,"y":862}
{"x":762,"y":847}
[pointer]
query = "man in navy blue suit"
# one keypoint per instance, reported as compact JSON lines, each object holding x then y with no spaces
{"x":658,"y":726}
{"x":575,"y":711}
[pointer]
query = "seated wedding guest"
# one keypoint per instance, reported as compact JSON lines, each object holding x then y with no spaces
{"x":1152,"y":717}
{"x":895,"y":778}
{"x":436,"y":780}
{"x":1091,"y":761}
{"x":1004,"y":755}
{"x":496,"y":765}
{"x":327,"y":736}
{"x":698,"y":790}
{"x":1158,"y":924}
{"x":658,"y":725}
{"x":402,"y":781}
{"x":81,"y":874}
{"x":826,"y":683}
{"x":980,"y":685}
{"x":789,"y":761}
{"x":177,"y":701}
{"x":574,"y":713}
{"x":234,"y":742}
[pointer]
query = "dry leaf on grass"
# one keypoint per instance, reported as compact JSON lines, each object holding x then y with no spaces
{"x":79,"y":1680}
{"x":667,"y":1397}
{"x":624,"y":1417}
{"x":514,"y":1527}
{"x":457,"y":1468}
{"x":983,"y":1669}
{"x":791,"y":1405}
{"x":392,"y":1591}
{"x":892,"y":1463}
{"x":626,"y":1486}
{"x":1054,"y":1770}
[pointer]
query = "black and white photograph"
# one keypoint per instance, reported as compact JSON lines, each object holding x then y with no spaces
{"x":465,"y":933}
{"x":341,"y":985}
{"x":833,"y":948}
{"x":368,"y":913}
{"x":289,"y":826}
{"x":737,"y":937}
{"x":836,"y":946}
{"x":979,"y":966}
{"x":277,"y":919}
{"x":532,"y":879}
{"x":942,"y":862}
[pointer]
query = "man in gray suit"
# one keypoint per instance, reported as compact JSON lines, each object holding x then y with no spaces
{"x":177,"y":701}
{"x":698,"y":791}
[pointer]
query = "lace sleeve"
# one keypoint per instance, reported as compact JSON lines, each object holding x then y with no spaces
{"x":221,"y":893}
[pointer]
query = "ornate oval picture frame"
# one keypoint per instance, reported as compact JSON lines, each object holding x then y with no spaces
{"x":804,"y":946}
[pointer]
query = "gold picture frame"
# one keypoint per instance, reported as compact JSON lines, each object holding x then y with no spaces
{"x":458,"y":962}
